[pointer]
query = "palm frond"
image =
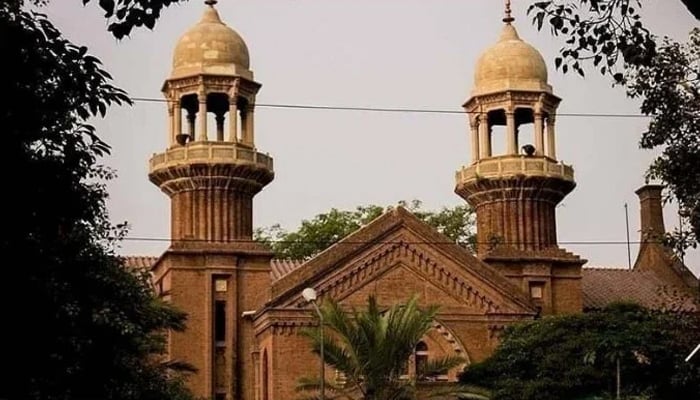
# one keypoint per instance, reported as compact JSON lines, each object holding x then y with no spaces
{"x":372,"y":347}
{"x":439,"y":365}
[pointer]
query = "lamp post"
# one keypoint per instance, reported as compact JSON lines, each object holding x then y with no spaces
{"x":692,"y":353}
{"x":310,"y":295}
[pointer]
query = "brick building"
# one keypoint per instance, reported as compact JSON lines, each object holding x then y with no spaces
{"x":245,"y":307}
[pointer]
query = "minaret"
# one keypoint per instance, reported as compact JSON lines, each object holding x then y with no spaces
{"x":515,"y":191}
{"x":211,"y":170}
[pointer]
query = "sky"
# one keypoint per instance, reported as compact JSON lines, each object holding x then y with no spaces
{"x":414,"y":54}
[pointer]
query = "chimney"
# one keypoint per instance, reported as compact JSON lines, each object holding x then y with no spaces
{"x":651,"y":210}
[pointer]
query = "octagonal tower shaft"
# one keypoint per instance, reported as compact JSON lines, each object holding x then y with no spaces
{"x":211,"y":186}
{"x":515,"y":200}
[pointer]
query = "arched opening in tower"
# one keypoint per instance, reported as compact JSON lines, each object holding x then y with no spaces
{"x":525,"y":128}
{"x":498,"y":132}
{"x":217,"y":109}
{"x":190,"y":105}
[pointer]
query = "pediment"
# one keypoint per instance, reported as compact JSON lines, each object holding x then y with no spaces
{"x":395,"y":256}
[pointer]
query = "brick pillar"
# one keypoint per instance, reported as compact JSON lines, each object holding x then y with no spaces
{"x":651,"y":211}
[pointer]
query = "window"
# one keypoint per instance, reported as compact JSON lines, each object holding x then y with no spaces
{"x":265,"y":377}
{"x":220,"y":322}
{"x":537,"y":290}
{"x":421,"y":354}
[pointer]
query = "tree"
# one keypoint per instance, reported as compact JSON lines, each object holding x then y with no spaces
{"x":576,"y":356}
{"x":606,"y":32}
{"x":663,"y":74}
{"x":669,"y":87}
{"x":319,"y":233}
{"x":372,"y":347}
{"x":76,"y":323}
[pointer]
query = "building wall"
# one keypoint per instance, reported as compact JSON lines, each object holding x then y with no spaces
{"x":198,"y":282}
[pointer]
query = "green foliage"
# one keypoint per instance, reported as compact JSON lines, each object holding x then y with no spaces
{"x":319,"y":233}
{"x":606,"y":32}
{"x":610,"y":34}
{"x":669,"y":87}
{"x":372,"y":347}
{"x":125,"y":15}
{"x":574,"y":356}
{"x":77,"y":324}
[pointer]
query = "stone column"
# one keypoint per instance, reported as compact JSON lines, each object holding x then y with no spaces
{"x":511,"y":132}
{"x":177,"y":119}
{"x":171,"y":127}
{"x":551,"y":144}
{"x":220,"y":126}
{"x":191,"y":117}
{"x":484,"y":136}
{"x":539,"y":133}
{"x":202,"y":98}
{"x":474,"y":133}
{"x":249,"y":133}
{"x":232,"y":120}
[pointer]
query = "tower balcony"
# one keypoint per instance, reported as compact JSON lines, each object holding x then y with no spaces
{"x":211,"y":186}
{"x":210,"y":153}
{"x":204,"y":165}
{"x":514,"y":166}
{"x":515,"y":198}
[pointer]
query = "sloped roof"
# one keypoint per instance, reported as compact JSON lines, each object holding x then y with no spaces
{"x":280,"y":267}
{"x":139,"y":262}
{"x":602,"y":286}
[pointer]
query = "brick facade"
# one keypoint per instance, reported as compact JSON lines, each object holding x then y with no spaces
{"x":245,"y":310}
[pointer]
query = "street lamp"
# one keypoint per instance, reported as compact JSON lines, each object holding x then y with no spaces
{"x":310,"y":295}
{"x":692,"y":354}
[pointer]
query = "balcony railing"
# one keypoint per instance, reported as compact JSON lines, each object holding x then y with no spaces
{"x":510,"y":166}
{"x":210,"y":153}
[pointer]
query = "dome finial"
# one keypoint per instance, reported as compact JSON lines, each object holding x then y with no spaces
{"x":210,"y":3}
{"x":508,"y":18}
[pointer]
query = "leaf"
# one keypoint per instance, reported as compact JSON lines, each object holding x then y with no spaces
{"x":597,"y":59}
{"x":150,"y":22}
{"x":540,"y":19}
{"x":108,"y":7}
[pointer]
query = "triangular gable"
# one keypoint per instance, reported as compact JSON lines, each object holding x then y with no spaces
{"x":398,"y":238}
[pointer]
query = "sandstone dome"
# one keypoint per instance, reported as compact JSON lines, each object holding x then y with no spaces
{"x":510,"y":64}
{"x":210,"y":47}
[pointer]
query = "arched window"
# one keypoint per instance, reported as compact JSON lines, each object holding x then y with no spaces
{"x":265,"y":377}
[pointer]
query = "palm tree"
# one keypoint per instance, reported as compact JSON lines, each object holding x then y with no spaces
{"x":371,"y":349}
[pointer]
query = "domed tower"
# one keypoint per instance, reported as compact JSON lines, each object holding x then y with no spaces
{"x":211,"y":170}
{"x":211,"y":175}
{"x":515,"y":192}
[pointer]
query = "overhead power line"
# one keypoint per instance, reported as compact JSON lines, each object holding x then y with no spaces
{"x":395,"y":109}
{"x":189,"y":240}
